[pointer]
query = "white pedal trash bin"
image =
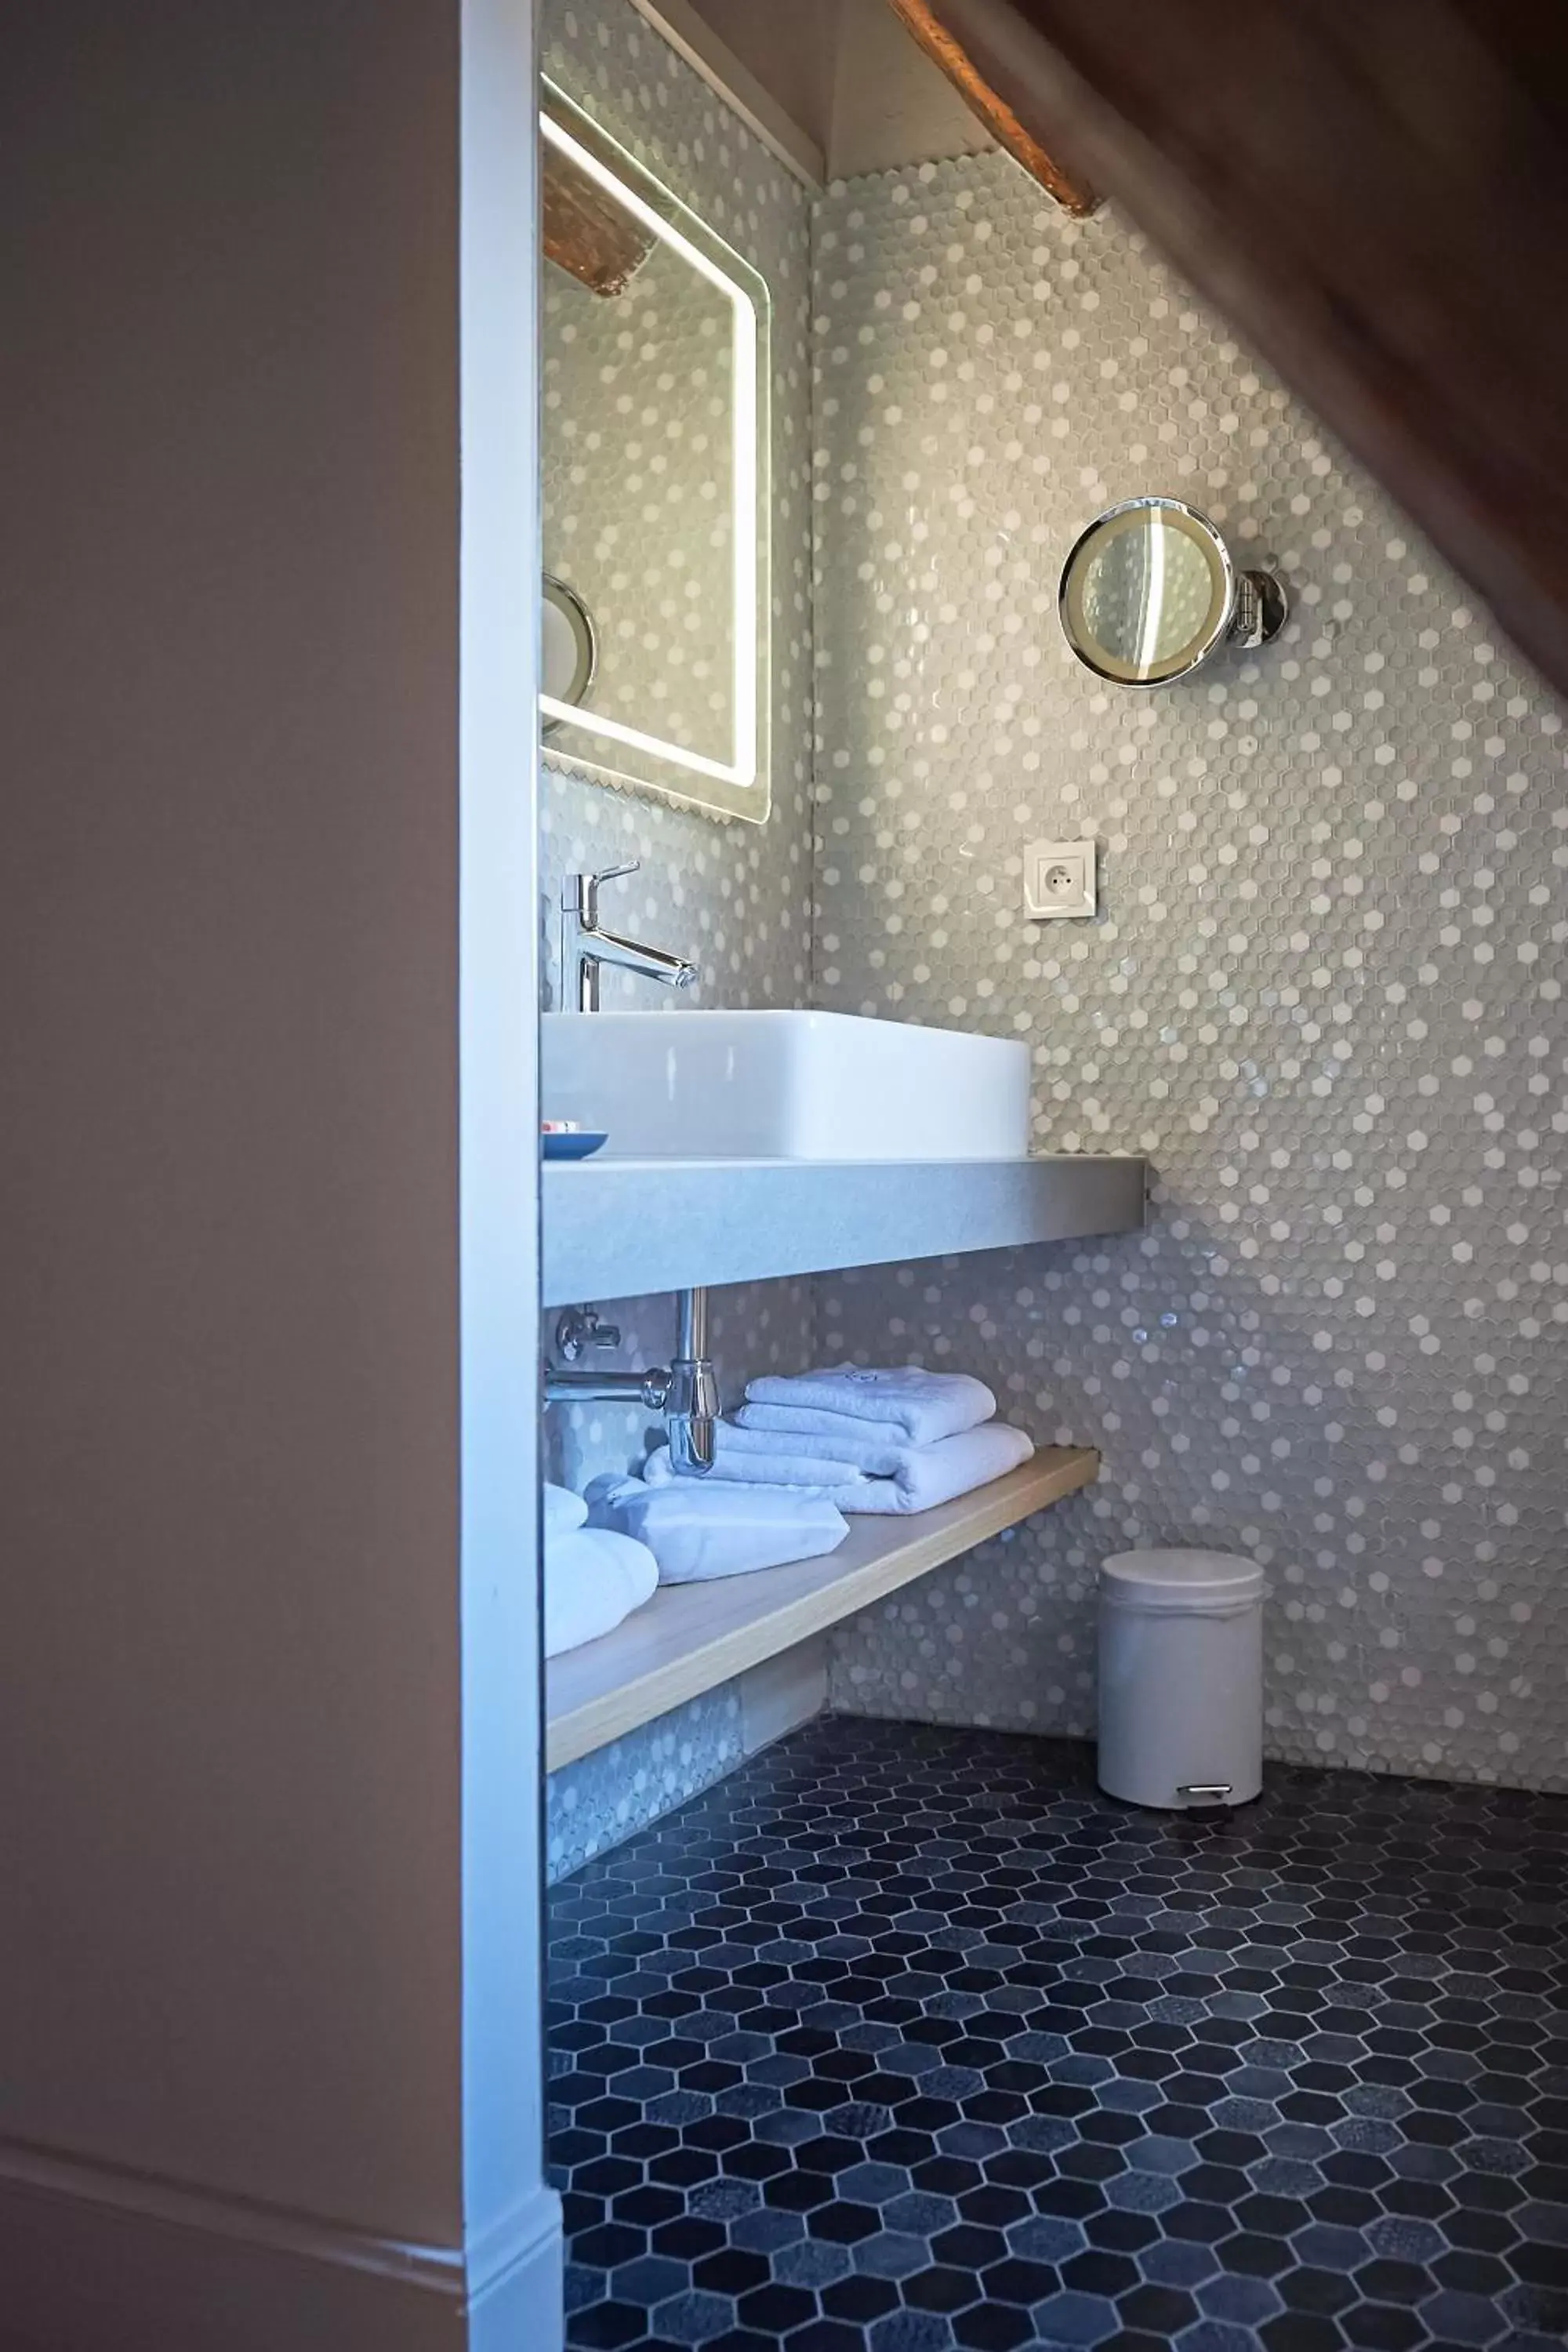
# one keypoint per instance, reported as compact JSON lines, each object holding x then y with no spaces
{"x":1181,"y":1678}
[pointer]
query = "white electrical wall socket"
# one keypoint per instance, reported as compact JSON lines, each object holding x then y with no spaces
{"x":1059,"y":878}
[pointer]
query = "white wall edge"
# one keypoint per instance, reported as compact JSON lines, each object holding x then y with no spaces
{"x":782,"y":1693}
{"x":691,"y":38}
{"x":512,"y":2220}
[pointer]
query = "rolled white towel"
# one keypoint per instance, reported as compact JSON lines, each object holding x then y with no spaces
{"x":593,"y":1579}
{"x":563,"y":1511}
{"x":921,"y":1407}
{"x":700,"y":1528}
{"x":916,"y":1478}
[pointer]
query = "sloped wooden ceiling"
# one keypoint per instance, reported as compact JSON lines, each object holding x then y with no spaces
{"x":1375,"y":193}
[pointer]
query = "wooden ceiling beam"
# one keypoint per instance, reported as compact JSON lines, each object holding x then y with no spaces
{"x":585,"y":231}
{"x":925,"y":22}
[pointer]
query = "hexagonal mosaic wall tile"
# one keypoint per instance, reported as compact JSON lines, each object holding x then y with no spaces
{"x":1324,"y":993}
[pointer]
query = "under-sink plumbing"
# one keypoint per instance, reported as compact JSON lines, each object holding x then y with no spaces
{"x":685,"y":1391}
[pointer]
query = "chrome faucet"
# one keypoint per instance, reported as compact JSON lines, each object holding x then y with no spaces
{"x":587,"y":946}
{"x":685,"y":1391}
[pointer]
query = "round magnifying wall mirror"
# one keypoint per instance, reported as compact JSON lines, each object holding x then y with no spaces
{"x":1149,"y":593}
{"x":569,"y":648}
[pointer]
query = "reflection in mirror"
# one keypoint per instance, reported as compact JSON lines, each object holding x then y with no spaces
{"x":569,"y":646}
{"x":655,"y":479}
{"x":1150,"y":591}
{"x":1150,"y":595}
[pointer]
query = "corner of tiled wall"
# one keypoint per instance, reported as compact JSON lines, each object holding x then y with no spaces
{"x":1324,"y":993}
{"x":607,"y":1796}
{"x":735,"y":897}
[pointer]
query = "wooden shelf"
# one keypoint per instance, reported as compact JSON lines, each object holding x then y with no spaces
{"x":691,"y":1637}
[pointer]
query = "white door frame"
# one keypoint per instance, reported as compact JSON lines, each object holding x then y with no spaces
{"x":512,"y":2218}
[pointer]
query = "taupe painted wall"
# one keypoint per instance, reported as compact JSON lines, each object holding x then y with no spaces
{"x":228,"y":1449}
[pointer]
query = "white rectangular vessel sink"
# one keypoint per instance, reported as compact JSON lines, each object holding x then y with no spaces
{"x":785,"y":1086}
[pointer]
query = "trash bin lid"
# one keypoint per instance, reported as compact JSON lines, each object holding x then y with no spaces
{"x":1180,"y":1579}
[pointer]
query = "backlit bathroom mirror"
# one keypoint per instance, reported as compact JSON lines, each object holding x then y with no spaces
{"x":1149,"y":593}
{"x":656,"y":484}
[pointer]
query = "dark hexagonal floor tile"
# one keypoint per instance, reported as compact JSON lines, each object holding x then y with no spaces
{"x":908,"y":2041}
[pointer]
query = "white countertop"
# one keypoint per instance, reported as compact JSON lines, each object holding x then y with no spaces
{"x":625,"y":1228}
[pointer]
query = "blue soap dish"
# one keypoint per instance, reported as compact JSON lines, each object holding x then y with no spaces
{"x":574,"y":1145}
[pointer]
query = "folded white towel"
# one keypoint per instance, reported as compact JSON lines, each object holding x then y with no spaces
{"x":874,"y":1448}
{"x":593,"y":1579}
{"x":563,"y":1511}
{"x":769,"y":1458}
{"x":916,"y":1478}
{"x":921,"y":1406}
{"x":696,"y":1529}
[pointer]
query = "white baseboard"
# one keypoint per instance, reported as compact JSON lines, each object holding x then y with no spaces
{"x":93,"y":2260}
{"x":520,"y":2305}
{"x":516,"y":2286}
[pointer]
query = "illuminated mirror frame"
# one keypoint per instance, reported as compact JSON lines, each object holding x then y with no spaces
{"x":617,"y":753}
{"x":1245,"y":610}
